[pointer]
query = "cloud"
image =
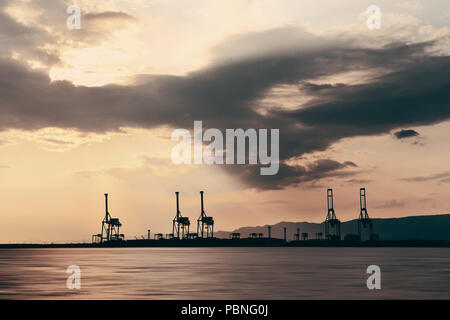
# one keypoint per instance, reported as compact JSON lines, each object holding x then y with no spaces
{"x":86,"y":174}
{"x":391,"y":204}
{"x":5,"y":142}
{"x":443,"y":176}
{"x":358,"y":181}
{"x":411,"y":136}
{"x":44,"y":38}
{"x":57,"y":141}
{"x":98,"y":25}
{"x":107,"y":16}
{"x":413,"y":89}
{"x":402,"y":134}
{"x":446,"y":180}
{"x":410,"y":5}
{"x":29,"y":42}
{"x":392,"y":100}
{"x":291,"y":175}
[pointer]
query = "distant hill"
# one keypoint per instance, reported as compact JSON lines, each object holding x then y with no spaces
{"x":432,"y":227}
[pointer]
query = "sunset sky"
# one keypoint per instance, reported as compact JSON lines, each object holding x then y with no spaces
{"x":89,"y":111}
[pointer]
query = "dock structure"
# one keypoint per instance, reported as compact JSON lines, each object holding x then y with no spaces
{"x":192,"y":235}
{"x":110,"y":233}
{"x":204,"y":223}
{"x":180,"y":224}
{"x":331,"y":223}
{"x":158,"y":236}
{"x":235,"y":235}
{"x":297,"y":235}
{"x":364,"y":220}
{"x":110,"y":228}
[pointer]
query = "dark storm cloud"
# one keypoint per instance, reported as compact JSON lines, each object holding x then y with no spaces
{"x":414,"y":90}
{"x":37,"y":43}
{"x":19,"y":38}
{"x":416,"y":94}
{"x":403,"y":134}
{"x":222,"y":96}
{"x":291,"y":175}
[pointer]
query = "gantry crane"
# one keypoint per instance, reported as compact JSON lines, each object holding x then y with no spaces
{"x":364,"y":220}
{"x":180,"y":224}
{"x":110,"y":227}
{"x":205,"y":223}
{"x":332,"y":224}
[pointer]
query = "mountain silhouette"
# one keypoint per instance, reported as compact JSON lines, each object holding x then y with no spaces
{"x":429,"y":227}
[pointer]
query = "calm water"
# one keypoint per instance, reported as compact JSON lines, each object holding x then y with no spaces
{"x":225,"y":273}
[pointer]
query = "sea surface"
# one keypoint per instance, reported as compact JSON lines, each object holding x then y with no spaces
{"x":225,"y":273}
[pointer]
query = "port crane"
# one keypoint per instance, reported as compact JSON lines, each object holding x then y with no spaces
{"x":364,"y":220}
{"x":180,"y":224}
{"x":205,"y":223}
{"x":110,"y":228}
{"x":332,"y":224}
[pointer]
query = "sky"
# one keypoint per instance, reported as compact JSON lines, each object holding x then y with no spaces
{"x":91,"y":110}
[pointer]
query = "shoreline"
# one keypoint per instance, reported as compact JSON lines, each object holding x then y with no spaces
{"x":265,"y":242}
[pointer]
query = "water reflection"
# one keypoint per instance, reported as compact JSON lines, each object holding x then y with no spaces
{"x":225,"y":273}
